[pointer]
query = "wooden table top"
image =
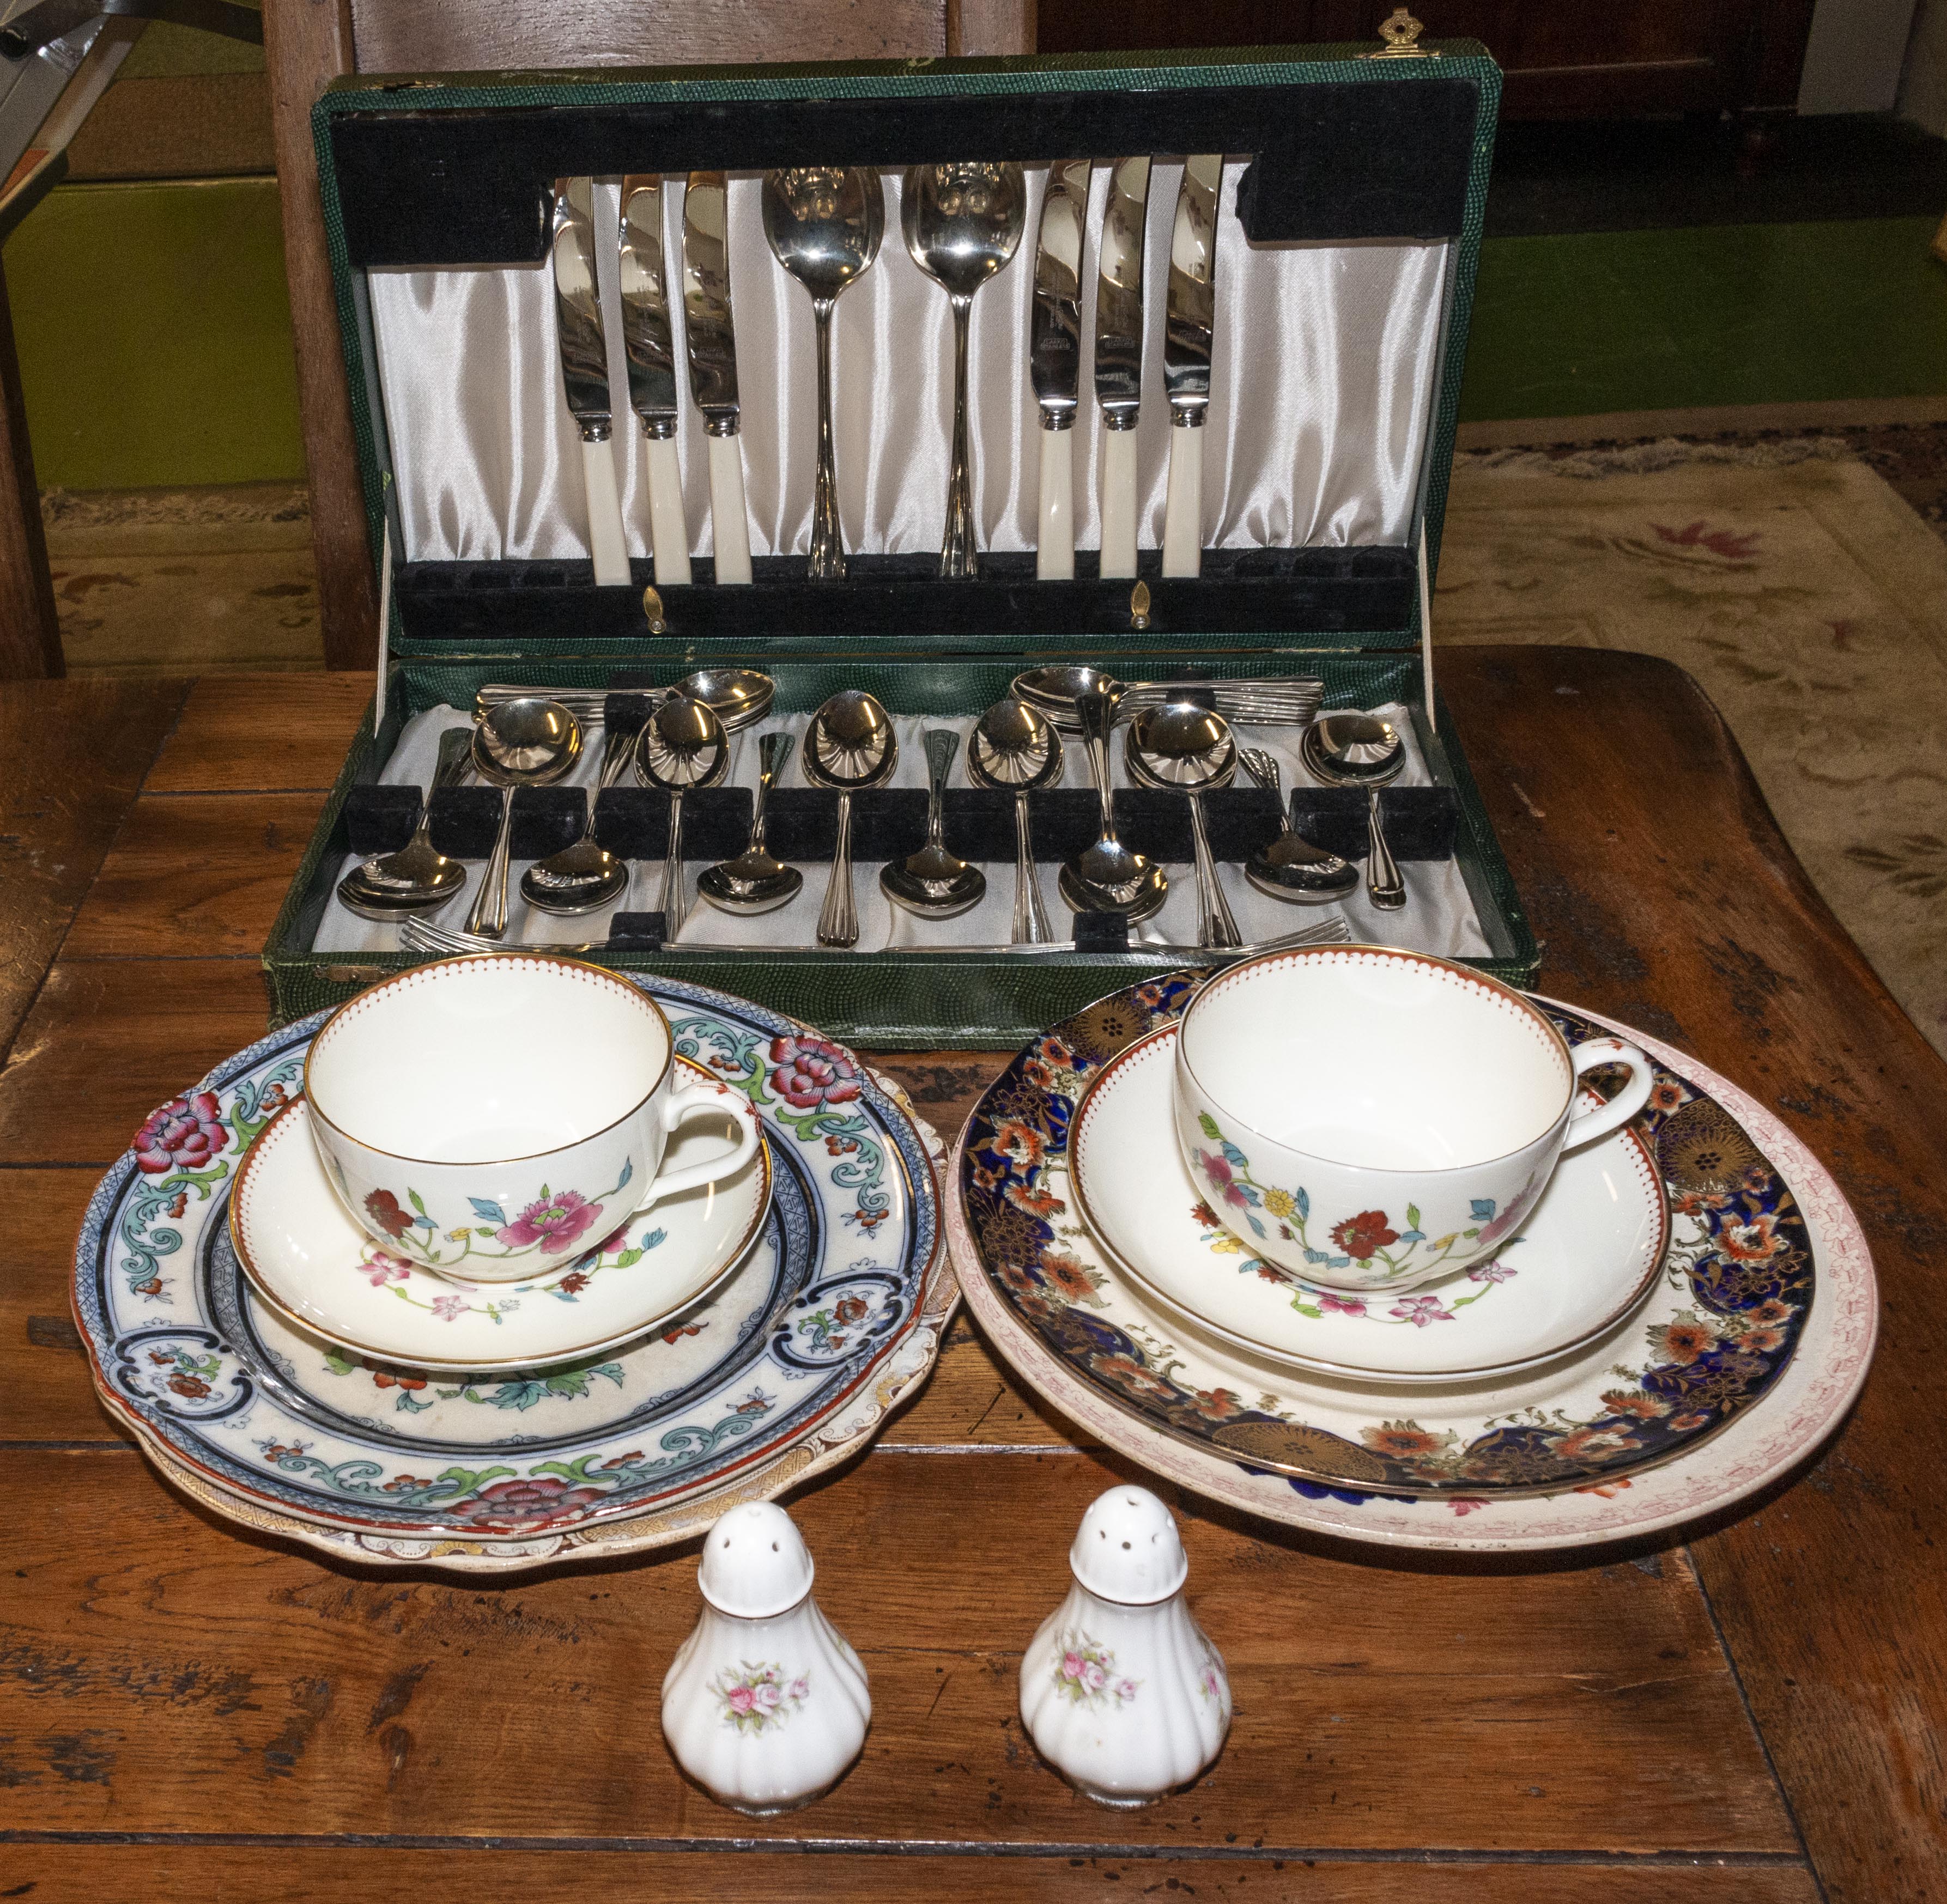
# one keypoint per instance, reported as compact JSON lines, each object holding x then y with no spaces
{"x":1751,"y":1713}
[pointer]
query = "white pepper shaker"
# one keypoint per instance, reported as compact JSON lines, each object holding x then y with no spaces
{"x":1121,"y":1691}
{"x":765,"y":1705}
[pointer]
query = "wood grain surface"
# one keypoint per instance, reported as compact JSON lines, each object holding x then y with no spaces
{"x":30,"y":643}
{"x":1404,"y":1730}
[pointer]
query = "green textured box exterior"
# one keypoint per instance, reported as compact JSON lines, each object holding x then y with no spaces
{"x":903,"y":1000}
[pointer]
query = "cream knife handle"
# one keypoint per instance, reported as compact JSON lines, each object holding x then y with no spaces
{"x":1183,"y":510}
{"x":1119,"y":504}
{"x":606,"y":542}
{"x":1054,"y":554}
{"x":730,"y":520}
{"x":669,"y":532}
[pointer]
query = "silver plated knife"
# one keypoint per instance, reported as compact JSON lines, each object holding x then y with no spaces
{"x":1054,"y":360}
{"x":712,"y":341}
{"x":650,"y":349}
{"x":584,"y":371}
{"x":1118,"y":359}
{"x":1189,"y":314}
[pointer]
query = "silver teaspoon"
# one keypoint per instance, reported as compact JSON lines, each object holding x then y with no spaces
{"x":1015,"y":750}
{"x":1352,"y":749}
{"x":754,"y":882}
{"x":584,"y":877}
{"x":418,"y":877}
{"x":962,"y":224}
{"x":681,"y":749}
{"x":531,"y":742}
{"x":933,"y":883}
{"x":1107,"y":876}
{"x":1290,"y":867}
{"x":823,"y":224}
{"x":850,"y":747}
{"x":1184,"y":749}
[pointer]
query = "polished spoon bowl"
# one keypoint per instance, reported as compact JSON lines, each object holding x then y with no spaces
{"x":850,"y":747}
{"x":1182,"y":748}
{"x":1289,"y":867}
{"x":754,"y":882}
{"x":531,"y":742}
{"x":1015,"y":750}
{"x":962,"y":223}
{"x":823,"y":223}
{"x":584,"y":877}
{"x":933,"y":883}
{"x":739,"y":697}
{"x":681,"y":749}
{"x":418,"y":877}
{"x":1107,"y":877}
{"x":1354,"y":750}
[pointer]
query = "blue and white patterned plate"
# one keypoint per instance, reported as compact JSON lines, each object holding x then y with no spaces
{"x":838,"y":1293}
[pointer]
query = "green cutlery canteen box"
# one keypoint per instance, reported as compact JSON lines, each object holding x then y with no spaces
{"x":1346,"y":233}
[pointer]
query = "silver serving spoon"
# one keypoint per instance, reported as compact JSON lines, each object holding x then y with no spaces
{"x":417,"y":878}
{"x":850,"y":747}
{"x":1353,"y":749}
{"x":1107,"y":877}
{"x":823,"y":224}
{"x":753,"y":882}
{"x":1290,"y":866}
{"x":1014,"y":749}
{"x":531,"y":742}
{"x":584,"y":877}
{"x":681,"y":749}
{"x":739,"y":697}
{"x":962,"y":223}
{"x":933,"y":883}
{"x":1184,"y":749}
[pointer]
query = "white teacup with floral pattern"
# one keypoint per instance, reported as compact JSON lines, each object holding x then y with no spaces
{"x":1373,"y":1119}
{"x":493,"y":1117}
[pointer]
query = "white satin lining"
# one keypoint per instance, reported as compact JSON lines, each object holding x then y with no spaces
{"x":1322,"y":374}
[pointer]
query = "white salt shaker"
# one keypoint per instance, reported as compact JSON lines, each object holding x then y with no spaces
{"x":765,"y":1704}
{"x":1121,"y":1691}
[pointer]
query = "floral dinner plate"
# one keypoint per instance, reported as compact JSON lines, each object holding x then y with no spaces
{"x":800,"y":1337}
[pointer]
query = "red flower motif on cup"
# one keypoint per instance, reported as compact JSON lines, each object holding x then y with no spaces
{"x":185,"y":1134}
{"x":383,"y":1209}
{"x":554,"y":1222}
{"x":1217,"y":1170}
{"x":811,"y":1071}
{"x":508,"y":1507}
{"x":1363,"y":1236}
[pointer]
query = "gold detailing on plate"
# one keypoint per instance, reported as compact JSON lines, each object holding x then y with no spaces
{"x":1701,"y":1147}
{"x":1292,"y":1445}
{"x":1401,"y":33}
{"x":1139,"y":606}
{"x":652,"y":606}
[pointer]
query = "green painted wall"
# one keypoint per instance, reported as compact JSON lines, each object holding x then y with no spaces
{"x":154,"y":327}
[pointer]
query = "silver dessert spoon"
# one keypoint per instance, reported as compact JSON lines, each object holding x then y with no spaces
{"x":1352,"y":749}
{"x":1107,"y":876}
{"x":681,"y":749}
{"x":584,"y":877}
{"x":823,"y":224}
{"x":1184,"y":749}
{"x":850,"y":747}
{"x":1290,"y":867}
{"x":962,"y":224}
{"x":933,"y":883}
{"x":519,"y":743}
{"x":1014,"y":749}
{"x":754,"y":882}
{"x":739,"y":697}
{"x":417,"y":878}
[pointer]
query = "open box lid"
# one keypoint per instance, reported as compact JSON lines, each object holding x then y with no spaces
{"x":1348,"y":242}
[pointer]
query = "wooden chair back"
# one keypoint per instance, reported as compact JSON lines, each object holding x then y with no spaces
{"x":307,"y":43}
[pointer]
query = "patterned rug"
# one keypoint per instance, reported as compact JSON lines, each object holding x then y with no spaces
{"x":1805,"y":594}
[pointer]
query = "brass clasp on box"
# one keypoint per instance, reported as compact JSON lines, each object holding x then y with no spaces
{"x":652,"y":606}
{"x":1139,"y":607}
{"x":1401,"y":33}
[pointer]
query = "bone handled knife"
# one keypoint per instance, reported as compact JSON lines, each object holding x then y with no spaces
{"x":584,"y":371}
{"x":1054,"y":360}
{"x":1118,"y":359}
{"x":650,"y":349}
{"x":712,"y":340}
{"x":1189,"y":312}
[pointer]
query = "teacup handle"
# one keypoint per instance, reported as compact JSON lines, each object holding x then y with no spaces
{"x":1586,"y":1126}
{"x":684,"y":1101}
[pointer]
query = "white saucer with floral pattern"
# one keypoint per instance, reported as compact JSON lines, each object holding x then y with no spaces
{"x":1587,"y":1255}
{"x":307,"y":1258}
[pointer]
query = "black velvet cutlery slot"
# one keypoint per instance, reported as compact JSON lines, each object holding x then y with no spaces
{"x":1422,"y":822}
